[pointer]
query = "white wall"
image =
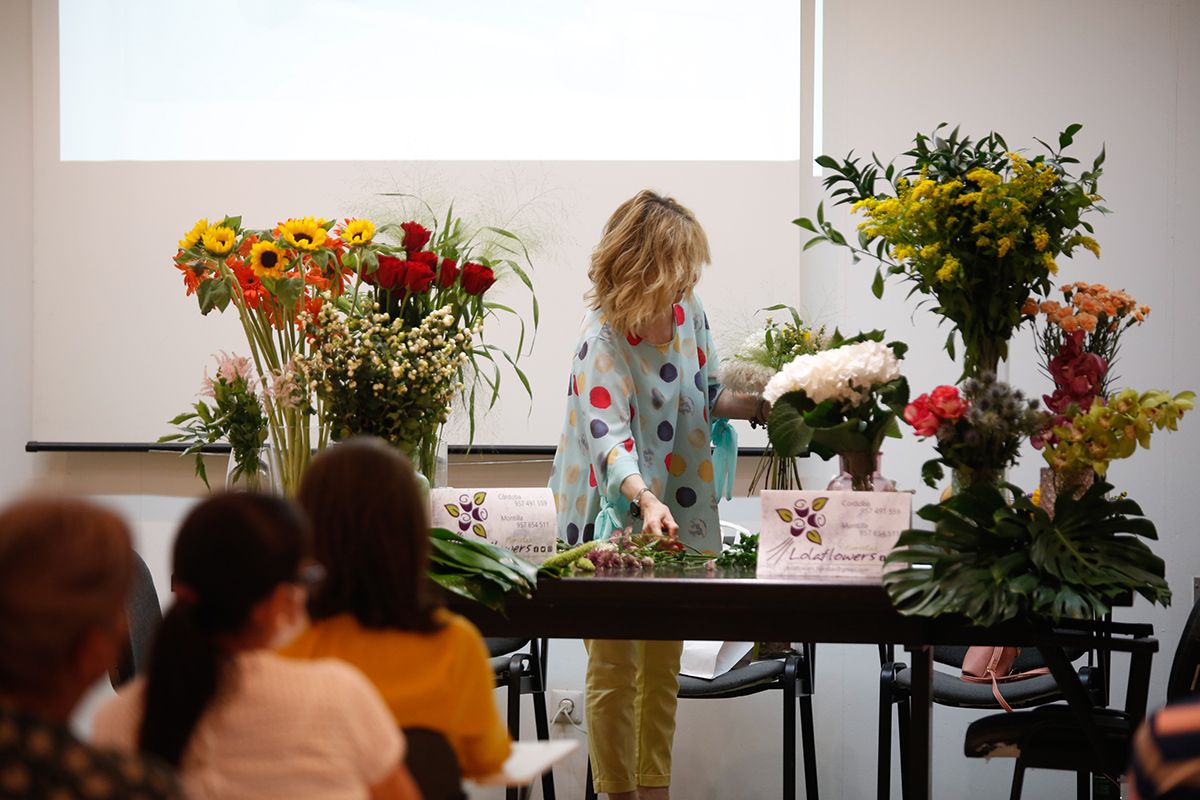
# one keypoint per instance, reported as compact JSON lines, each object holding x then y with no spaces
{"x":1130,"y":71}
{"x":16,"y":266}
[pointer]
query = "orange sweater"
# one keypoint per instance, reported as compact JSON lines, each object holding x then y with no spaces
{"x":441,"y":680}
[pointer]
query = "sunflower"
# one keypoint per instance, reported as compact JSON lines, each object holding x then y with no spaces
{"x":358,"y":232}
{"x":267,"y":260}
{"x":218,"y":240}
{"x":304,"y":234}
{"x":191,"y":237}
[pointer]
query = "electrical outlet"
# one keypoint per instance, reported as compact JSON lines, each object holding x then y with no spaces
{"x":571,"y":701}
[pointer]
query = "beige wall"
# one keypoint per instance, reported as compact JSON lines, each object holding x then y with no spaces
{"x":16,"y":211}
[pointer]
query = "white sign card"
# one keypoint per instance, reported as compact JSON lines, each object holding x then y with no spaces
{"x":834,"y":536}
{"x":521,"y":520}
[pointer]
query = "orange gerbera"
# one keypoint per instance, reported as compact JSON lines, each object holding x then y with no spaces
{"x":252,"y":288}
{"x":193,"y":276}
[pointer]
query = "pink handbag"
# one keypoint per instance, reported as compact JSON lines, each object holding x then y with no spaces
{"x":994,"y":665}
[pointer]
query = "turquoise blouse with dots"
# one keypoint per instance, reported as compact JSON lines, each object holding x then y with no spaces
{"x":636,"y":407}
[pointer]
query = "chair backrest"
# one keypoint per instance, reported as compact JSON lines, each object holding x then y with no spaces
{"x":1028,"y":659}
{"x":502,"y":647}
{"x":1185,"y":667}
{"x":144,"y":615}
{"x":433,"y":764}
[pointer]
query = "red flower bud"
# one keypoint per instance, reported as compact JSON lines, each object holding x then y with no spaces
{"x":416,"y":236}
{"x":447,"y":273}
{"x":419,"y":277}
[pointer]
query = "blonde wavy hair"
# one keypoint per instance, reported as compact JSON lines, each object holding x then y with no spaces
{"x":651,"y":252}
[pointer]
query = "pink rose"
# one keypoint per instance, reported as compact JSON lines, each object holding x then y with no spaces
{"x":947,"y":403}
{"x":921,"y":417}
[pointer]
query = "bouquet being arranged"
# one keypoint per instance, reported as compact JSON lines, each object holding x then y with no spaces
{"x":751,"y":367}
{"x":841,"y":401}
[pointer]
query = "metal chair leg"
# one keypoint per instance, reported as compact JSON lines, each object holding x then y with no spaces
{"x":543,"y":733}
{"x":903,"y":714}
{"x":883,"y":781}
{"x":516,"y":667}
{"x":810,"y":750}
{"x":791,"y":678}
{"x":1018,"y":780}
{"x":1083,"y":785}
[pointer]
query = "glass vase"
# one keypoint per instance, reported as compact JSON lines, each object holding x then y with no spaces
{"x":430,"y":458}
{"x":859,"y":472}
{"x":264,"y":479}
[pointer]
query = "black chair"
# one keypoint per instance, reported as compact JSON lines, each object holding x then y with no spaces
{"x":1053,"y":737}
{"x":523,"y":673}
{"x":793,"y":675}
{"x":143,"y":615}
{"x":433,"y":764}
{"x":895,"y":688}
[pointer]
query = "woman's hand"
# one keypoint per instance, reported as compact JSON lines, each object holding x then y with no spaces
{"x":656,"y":517}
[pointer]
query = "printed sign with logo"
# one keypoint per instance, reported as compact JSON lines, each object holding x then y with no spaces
{"x":830,"y":535}
{"x":521,"y":520}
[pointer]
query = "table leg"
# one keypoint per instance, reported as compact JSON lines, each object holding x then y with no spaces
{"x":920,"y":769}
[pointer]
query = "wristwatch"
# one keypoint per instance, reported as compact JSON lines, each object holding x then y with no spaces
{"x":635,"y":507}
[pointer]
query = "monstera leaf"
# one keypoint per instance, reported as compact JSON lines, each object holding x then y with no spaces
{"x":993,"y":560}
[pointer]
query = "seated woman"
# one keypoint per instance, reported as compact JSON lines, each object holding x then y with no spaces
{"x":371,"y":529}
{"x":65,"y":570}
{"x":235,"y":719}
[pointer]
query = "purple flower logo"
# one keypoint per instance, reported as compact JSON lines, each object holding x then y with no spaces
{"x":470,"y":513}
{"x":804,"y":520}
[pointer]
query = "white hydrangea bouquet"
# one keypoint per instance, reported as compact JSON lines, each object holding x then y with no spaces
{"x":843,"y":400}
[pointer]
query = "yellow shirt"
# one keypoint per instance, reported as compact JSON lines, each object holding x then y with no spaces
{"x":441,"y":680}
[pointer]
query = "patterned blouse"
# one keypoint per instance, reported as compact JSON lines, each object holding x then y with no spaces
{"x":43,"y":759}
{"x":636,"y":407}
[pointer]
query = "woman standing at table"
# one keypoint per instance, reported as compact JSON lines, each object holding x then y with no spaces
{"x":643,"y":406}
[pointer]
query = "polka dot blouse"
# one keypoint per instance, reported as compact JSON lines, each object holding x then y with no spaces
{"x":636,"y":407}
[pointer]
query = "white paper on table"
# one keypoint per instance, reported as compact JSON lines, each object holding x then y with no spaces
{"x":521,"y":520}
{"x":709,"y":659}
{"x":830,"y":536}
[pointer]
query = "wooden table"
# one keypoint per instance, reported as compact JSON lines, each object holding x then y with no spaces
{"x":735,"y":607}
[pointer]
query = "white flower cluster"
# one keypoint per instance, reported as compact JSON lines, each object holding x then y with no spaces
{"x":846,"y":374}
{"x":375,"y":375}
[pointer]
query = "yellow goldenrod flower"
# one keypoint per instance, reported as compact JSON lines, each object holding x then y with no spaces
{"x":1090,"y":244}
{"x":902,"y":252}
{"x":931,"y":251}
{"x":267,"y":260}
{"x":1003,"y":245}
{"x":1040,"y":238}
{"x":1049,"y":263}
{"x":218,"y":240}
{"x":1036,"y":497}
{"x":358,"y":232}
{"x":948,"y":270}
{"x":304,"y":234}
{"x":191,"y":237}
{"x":984,"y":178}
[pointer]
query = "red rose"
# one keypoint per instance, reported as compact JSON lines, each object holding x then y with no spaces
{"x":476,"y":278}
{"x":947,"y":403}
{"x":416,"y":236}
{"x":921,"y":417}
{"x":391,"y":273}
{"x":419,"y":277}
{"x":447,"y":273}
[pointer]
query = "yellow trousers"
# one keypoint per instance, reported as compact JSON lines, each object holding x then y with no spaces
{"x":632,"y":690}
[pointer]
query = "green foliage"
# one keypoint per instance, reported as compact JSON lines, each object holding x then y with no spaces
{"x":992,"y":560}
{"x":235,"y":416}
{"x":477,"y":570}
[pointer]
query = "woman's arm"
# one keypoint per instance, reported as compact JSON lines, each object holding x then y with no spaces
{"x":738,"y":405}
